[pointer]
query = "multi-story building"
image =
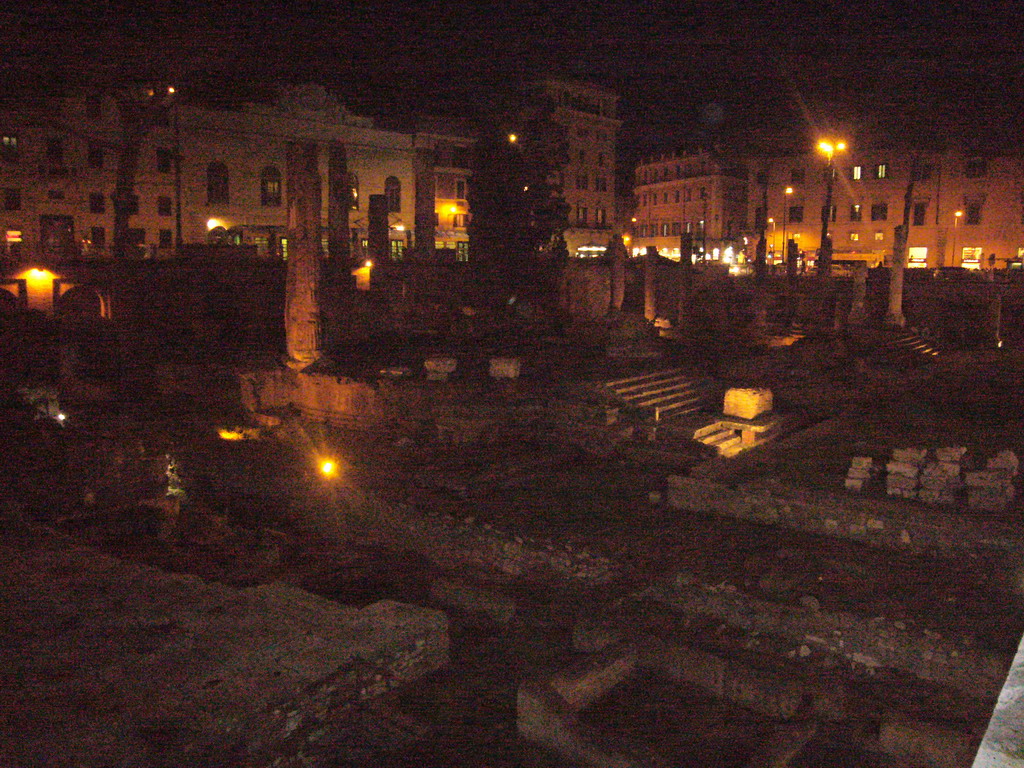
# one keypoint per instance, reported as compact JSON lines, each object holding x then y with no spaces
{"x":58,"y":167}
{"x":696,"y":194}
{"x":586,"y":176}
{"x":965,"y":209}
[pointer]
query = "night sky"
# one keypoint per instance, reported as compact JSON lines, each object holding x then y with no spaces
{"x":690,"y":74}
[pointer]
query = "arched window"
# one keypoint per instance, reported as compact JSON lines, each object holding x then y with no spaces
{"x":270,"y":187}
{"x":353,"y":185}
{"x":216,"y":184}
{"x":393,"y":192}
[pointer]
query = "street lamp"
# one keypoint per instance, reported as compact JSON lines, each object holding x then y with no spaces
{"x":772,"y":222}
{"x":785,"y":216}
{"x":825,"y":250}
{"x":956,"y":220}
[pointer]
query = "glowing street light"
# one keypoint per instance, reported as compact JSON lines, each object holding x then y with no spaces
{"x":512,"y":138}
{"x":829,"y":148}
{"x":328,"y":468}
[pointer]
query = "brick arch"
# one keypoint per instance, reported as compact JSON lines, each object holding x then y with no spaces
{"x":81,"y":302}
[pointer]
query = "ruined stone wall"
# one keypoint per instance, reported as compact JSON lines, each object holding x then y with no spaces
{"x":875,"y":522}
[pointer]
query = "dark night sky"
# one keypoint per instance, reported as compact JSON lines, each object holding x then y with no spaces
{"x":687,"y":72}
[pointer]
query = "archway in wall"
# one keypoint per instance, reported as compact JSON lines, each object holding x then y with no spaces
{"x":80,"y":302}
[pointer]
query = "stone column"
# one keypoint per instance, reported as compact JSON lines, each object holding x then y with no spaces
{"x":302,"y":290}
{"x":377,"y":230}
{"x":423,"y":168}
{"x":650,"y":295}
{"x":858,"y":309}
{"x":617,"y":251}
{"x":685,"y":278}
{"x":339,"y":196}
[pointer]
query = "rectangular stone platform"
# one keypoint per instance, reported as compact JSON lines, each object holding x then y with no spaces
{"x":112,"y":663}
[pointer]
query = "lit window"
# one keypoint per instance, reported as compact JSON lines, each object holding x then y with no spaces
{"x":856,"y":213}
{"x":9,"y":147}
{"x":270,"y":187}
{"x":881,"y":170}
{"x":855,"y":236}
{"x":353,"y":183}
{"x":879,"y":235}
{"x":857,"y":172}
{"x":599,"y":216}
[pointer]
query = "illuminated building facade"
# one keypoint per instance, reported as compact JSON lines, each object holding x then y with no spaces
{"x":58,"y":165}
{"x":586,"y":175}
{"x":964,"y":209}
{"x":695,"y":193}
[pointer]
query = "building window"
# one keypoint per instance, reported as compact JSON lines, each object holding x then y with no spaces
{"x":924,"y":172}
{"x":920,"y":211}
{"x":856,"y":172}
{"x":600,"y":184}
{"x":397,"y":249}
{"x":882,"y":170}
{"x":12,"y":199}
{"x":270,"y":187}
{"x":664,"y":230}
{"x":98,"y":237}
{"x":459,"y":221}
{"x":95,"y":156}
{"x":393,"y":193}
{"x":461,"y":250}
{"x":831,"y":214}
{"x":163,"y":205}
{"x":97,"y":203}
{"x":854,"y":236}
{"x":879,"y":211}
{"x":581,"y":181}
{"x":879,"y":235}
{"x":973,"y":213}
{"x":599,"y":216}
{"x":583,"y":157}
{"x":796,"y":214}
{"x":581,"y":215}
{"x":796,"y":176}
{"x":675,"y":227}
{"x":93,"y":107}
{"x":164,"y":160}
{"x":217,"y":191}
{"x":600,"y":159}
{"x":55,"y":152}
{"x":165,"y":240}
{"x":460,"y":189}
{"x":975,"y":168}
{"x":9,"y":146}
{"x":677,"y":195}
{"x":856,"y":214}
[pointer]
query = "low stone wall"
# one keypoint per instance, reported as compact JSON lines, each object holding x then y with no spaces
{"x":453,"y":543}
{"x":868,"y":643}
{"x":322,"y":397}
{"x":876,"y":522}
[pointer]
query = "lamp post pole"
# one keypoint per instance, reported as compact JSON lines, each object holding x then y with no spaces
{"x":772,"y":222}
{"x":785,"y":218}
{"x":825,"y":249}
{"x":956,"y":220}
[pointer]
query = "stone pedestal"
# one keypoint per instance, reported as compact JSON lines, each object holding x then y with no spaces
{"x":747,"y":403}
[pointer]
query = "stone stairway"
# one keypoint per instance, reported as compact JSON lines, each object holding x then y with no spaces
{"x":913,"y":344}
{"x":665,"y":394}
{"x":726,"y":440}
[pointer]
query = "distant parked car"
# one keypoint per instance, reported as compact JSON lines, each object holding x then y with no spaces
{"x":958,"y":274}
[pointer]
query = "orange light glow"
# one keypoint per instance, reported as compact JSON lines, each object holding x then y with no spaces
{"x":512,"y":138}
{"x":328,"y":468}
{"x":231,"y":434}
{"x":368,"y":264}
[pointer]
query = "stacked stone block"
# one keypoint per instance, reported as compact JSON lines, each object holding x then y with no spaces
{"x":862,"y":469}
{"x":941,"y":479}
{"x":904,"y":472}
{"x":992,"y":489}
